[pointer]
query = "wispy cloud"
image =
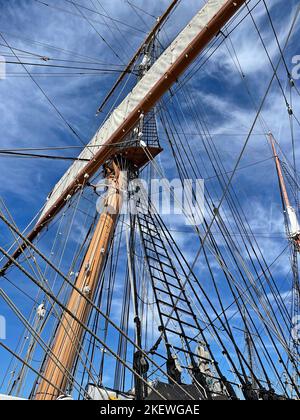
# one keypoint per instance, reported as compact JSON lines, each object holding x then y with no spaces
{"x":28,"y":120}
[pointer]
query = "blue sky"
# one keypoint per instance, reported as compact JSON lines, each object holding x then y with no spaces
{"x":27,"y":119}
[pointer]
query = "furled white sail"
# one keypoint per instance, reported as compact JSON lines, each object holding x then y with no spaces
{"x":143,"y":89}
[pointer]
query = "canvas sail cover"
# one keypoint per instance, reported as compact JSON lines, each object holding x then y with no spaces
{"x":157,"y":72}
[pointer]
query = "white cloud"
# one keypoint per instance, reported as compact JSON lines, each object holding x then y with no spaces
{"x":28,"y":120}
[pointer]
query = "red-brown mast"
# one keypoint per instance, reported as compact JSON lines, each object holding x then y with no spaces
{"x":294,"y":227}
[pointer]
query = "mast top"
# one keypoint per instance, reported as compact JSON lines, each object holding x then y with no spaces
{"x":205,"y":25}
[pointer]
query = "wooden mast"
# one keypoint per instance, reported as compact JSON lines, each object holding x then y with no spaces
{"x":70,"y":333}
{"x":291,"y":214}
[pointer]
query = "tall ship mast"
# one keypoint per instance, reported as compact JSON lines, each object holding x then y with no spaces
{"x":293,"y":235}
{"x":110,"y":299}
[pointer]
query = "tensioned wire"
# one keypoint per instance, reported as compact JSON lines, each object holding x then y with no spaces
{"x":39,"y":340}
{"x":280,"y":338}
{"x":82,"y":7}
{"x":199,"y":300}
{"x":247,"y":140}
{"x":57,"y":315}
{"x":79,"y":322}
{"x":229,"y":194}
{"x":86,"y":298}
{"x":129,"y":46}
{"x":191,"y":153}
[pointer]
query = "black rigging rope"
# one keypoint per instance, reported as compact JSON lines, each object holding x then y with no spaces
{"x":39,"y":156}
{"x":140,"y":9}
{"x":48,"y":46}
{"x":97,"y":32}
{"x":245,"y":144}
{"x":45,"y":94}
{"x":77,"y":5}
{"x":106,"y":70}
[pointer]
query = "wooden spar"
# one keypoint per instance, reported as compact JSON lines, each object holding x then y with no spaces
{"x":282,"y":185}
{"x":70,"y":333}
{"x":152,"y":33}
{"x":295,"y":233}
{"x":190,"y":53}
